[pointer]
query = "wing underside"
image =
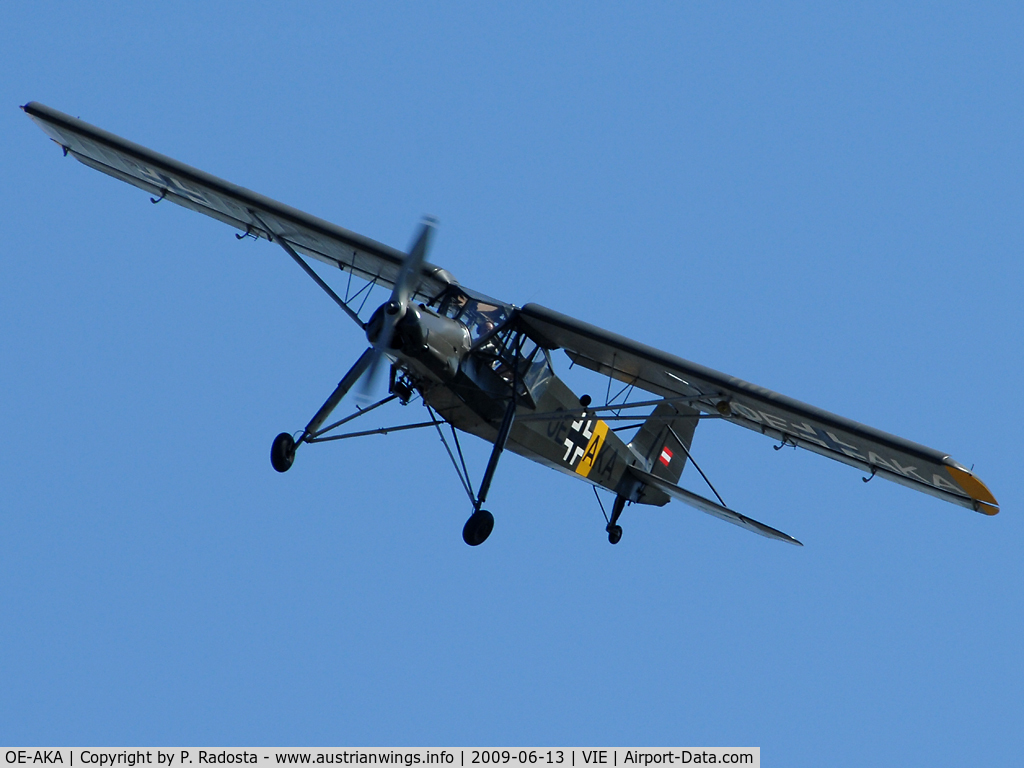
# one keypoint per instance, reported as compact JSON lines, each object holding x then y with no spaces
{"x":243,"y":209}
{"x":782,"y":418}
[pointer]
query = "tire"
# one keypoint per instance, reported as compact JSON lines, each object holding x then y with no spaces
{"x":478,"y":528}
{"x":282,"y":452}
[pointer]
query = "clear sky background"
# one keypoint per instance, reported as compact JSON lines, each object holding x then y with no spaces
{"x":822,"y":200}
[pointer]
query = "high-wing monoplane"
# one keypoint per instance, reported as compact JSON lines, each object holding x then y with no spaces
{"x":484,"y":367}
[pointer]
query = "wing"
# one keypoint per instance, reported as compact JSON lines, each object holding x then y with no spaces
{"x":234,"y":205}
{"x":760,"y":409}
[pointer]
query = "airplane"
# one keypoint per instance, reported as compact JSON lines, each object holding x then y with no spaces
{"x":484,"y":367}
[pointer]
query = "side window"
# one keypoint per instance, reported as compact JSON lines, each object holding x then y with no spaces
{"x":454,"y":305}
{"x":528,"y":348}
{"x":481,"y":318}
{"x":538,"y":368}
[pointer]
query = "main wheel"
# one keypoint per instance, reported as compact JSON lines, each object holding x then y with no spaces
{"x":614,"y":534}
{"x":478,"y":528}
{"x":282,"y":452}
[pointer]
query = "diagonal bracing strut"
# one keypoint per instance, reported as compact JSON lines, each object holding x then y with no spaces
{"x":275,"y":238}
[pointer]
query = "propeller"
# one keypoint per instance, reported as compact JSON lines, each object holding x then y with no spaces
{"x":381,"y":328}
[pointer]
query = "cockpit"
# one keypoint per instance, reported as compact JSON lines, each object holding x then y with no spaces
{"x":498,"y":346}
{"x":480,"y":315}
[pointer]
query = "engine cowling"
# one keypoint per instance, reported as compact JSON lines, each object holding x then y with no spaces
{"x":419,"y":334}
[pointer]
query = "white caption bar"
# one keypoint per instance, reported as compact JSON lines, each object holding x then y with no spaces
{"x":475,"y":757}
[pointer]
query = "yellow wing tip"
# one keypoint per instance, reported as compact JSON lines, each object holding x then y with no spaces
{"x":976,"y":489}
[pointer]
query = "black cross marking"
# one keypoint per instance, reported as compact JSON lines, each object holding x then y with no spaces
{"x":576,"y":441}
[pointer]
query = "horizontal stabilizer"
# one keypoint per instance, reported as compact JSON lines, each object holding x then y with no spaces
{"x":706,"y":505}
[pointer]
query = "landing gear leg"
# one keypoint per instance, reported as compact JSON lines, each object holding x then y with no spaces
{"x":614,"y":529}
{"x":282,"y":452}
{"x":481,"y":522}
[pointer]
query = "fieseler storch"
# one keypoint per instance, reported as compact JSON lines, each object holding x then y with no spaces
{"x":484,"y":367}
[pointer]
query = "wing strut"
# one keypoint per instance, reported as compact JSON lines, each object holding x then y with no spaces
{"x":274,"y":238}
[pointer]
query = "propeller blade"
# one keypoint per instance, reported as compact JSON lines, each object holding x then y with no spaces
{"x":405,"y":286}
{"x":369,"y":379}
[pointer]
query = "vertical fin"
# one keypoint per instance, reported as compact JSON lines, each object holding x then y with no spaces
{"x":658,"y":440}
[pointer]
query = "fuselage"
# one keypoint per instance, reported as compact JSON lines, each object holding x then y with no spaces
{"x":466,"y":355}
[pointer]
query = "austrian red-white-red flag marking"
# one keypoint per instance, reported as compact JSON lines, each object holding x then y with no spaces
{"x":666,"y":456}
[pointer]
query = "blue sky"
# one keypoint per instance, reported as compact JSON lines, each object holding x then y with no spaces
{"x":822,"y":200}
